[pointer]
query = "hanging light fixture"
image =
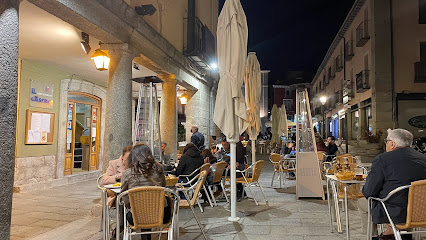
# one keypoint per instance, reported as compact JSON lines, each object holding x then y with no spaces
{"x":101,"y":60}
{"x":183,"y":99}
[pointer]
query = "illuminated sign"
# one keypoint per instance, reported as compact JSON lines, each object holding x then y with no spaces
{"x":41,"y":94}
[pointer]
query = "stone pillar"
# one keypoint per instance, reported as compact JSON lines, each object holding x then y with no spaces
{"x":168,"y":114}
{"x":9,"y":28}
{"x":118,"y":117}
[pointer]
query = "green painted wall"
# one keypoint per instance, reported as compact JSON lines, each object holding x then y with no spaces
{"x":50,"y":75}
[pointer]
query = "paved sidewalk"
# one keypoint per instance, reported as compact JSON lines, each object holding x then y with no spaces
{"x":66,"y":213}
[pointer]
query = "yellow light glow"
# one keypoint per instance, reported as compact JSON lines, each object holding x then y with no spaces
{"x":183,"y":99}
{"x":101,"y":60}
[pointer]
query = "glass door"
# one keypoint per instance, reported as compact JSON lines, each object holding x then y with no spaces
{"x":94,"y":136}
{"x":69,"y":135}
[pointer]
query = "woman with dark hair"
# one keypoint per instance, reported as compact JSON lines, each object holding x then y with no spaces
{"x":208,"y":156}
{"x":320,"y":144}
{"x":190,"y":160}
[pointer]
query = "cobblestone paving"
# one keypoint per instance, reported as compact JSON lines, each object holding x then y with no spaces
{"x":66,"y":213}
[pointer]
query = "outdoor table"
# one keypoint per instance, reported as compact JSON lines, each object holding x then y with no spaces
{"x":105,"y":212}
{"x":333,"y":179}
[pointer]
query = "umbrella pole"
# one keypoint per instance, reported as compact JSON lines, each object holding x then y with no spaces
{"x":233,"y":217}
{"x":253,"y":151}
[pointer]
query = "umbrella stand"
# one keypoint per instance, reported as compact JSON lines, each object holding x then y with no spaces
{"x":233,"y":146}
{"x":253,"y":151}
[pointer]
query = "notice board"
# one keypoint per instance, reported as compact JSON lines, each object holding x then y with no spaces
{"x":40,"y":127}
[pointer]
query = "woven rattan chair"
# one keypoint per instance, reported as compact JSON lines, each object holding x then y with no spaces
{"x":217,"y":171}
{"x":257,"y":169}
{"x":204,"y":167}
{"x":147,"y":206}
{"x":278,"y":168}
{"x":416,"y":210}
{"x":195,"y":185}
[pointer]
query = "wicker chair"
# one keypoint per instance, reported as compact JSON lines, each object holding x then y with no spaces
{"x":190,"y":202}
{"x":416,"y":210}
{"x":257,"y":169}
{"x":204,"y":167}
{"x":218,"y":170}
{"x":278,"y":168}
{"x":147,"y":206}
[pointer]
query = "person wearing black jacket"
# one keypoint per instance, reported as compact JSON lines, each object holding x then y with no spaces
{"x":398,"y":166}
{"x":240,"y":162}
{"x":190,"y":160}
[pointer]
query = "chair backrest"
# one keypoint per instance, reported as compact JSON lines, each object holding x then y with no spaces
{"x":257,"y":169}
{"x":147,"y":204}
{"x":321,"y":155}
{"x":275,"y":157}
{"x":219,"y":168}
{"x":416,"y":209}
{"x":200,"y":183}
{"x":342,"y":158}
{"x":205,"y":167}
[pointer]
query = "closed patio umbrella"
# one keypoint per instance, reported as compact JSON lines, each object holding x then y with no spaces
{"x":230,"y":113}
{"x":253,"y":91}
{"x":275,"y":124}
{"x":283,"y":127}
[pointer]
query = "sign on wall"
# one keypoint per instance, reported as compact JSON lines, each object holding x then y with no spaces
{"x":418,"y":121}
{"x":41,"y":94}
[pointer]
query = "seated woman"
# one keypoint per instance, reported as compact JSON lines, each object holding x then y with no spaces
{"x":320,"y":144}
{"x":114,"y":172}
{"x":190,"y":160}
{"x":142,"y":170}
{"x":288,"y":149}
{"x":209,"y":158}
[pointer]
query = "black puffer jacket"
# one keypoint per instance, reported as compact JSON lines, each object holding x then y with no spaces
{"x":189,"y":162}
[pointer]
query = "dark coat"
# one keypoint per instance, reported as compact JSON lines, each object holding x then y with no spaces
{"x":331,"y":149}
{"x":241,"y":156}
{"x":390,"y":170}
{"x":189,"y":162}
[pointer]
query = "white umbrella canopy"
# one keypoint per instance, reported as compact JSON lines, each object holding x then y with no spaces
{"x":253,"y":91}
{"x":275,"y":124}
{"x":230,"y":109}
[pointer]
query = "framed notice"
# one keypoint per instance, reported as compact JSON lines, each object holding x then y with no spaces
{"x":40,"y":127}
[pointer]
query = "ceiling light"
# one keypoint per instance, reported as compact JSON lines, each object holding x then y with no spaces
{"x":183,"y":99}
{"x":85,"y":42}
{"x":101,"y":60}
{"x":145,"y":10}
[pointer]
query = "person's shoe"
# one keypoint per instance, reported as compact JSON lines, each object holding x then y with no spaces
{"x":239,"y":198}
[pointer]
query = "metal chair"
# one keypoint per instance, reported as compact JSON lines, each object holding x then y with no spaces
{"x":278,"y":168}
{"x":196,"y":187}
{"x":204,"y":167}
{"x":105,"y":214}
{"x":257,"y":169}
{"x":147,"y":206}
{"x":217,"y":172}
{"x":416,"y":210}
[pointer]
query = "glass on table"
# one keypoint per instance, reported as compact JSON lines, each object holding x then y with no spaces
{"x":359,"y":174}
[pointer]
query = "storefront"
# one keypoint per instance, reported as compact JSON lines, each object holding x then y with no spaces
{"x":411,"y":112}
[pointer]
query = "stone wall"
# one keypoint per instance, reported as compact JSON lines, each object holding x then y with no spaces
{"x":34,"y":169}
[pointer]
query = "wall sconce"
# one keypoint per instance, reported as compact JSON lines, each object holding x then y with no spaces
{"x":183,"y":99}
{"x":85,"y":42}
{"x":101,"y":60}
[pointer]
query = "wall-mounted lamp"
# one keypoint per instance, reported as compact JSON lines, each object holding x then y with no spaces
{"x":85,"y":42}
{"x":101,"y":60}
{"x":183,"y":99}
{"x":323,"y":100}
{"x":213,"y":65}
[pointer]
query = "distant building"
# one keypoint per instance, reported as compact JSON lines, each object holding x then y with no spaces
{"x":284,"y":94}
{"x":264,"y":103}
{"x":374,"y":72}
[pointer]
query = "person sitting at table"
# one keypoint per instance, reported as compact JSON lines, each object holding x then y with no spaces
{"x":288,"y":149}
{"x":398,"y":166}
{"x":209,"y":158}
{"x":143,"y":170}
{"x":114,"y":172}
{"x":165,"y":157}
{"x":320,"y":144}
{"x":331,"y":148}
{"x":190,"y":160}
{"x":240,"y":163}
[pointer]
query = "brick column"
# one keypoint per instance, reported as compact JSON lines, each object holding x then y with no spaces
{"x":118,"y":116}
{"x":168,"y":115}
{"x":9,"y":28}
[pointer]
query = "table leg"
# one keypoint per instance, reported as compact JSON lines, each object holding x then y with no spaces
{"x":329,"y":205}
{"x":346,"y":212}
{"x":336,"y":207}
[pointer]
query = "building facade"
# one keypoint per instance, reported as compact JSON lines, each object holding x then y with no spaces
{"x":71,"y":118}
{"x":373,"y":73}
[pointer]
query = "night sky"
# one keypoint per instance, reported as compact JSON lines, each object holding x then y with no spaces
{"x":292,"y":35}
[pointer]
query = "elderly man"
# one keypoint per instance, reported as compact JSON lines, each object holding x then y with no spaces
{"x":398,"y":166}
{"x":197,"y":138}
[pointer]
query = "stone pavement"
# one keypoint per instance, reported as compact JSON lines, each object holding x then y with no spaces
{"x":72,"y":212}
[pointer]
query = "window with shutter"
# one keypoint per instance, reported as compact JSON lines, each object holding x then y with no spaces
{"x":422,"y":11}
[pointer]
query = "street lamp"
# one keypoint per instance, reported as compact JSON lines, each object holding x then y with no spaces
{"x":323,"y":100}
{"x":101,"y":60}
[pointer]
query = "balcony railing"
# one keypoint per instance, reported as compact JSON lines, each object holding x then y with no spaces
{"x":363,"y":81}
{"x":338,"y":63}
{"x":349,"y":50}
{"x":348,"y":89}
{"x":199,"y":42}
{"x":339,"y":97}
{"x":420,"y":72}
{"x":362,"y":34}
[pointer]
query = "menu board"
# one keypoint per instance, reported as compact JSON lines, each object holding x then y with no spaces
{"x":39,"y":127}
